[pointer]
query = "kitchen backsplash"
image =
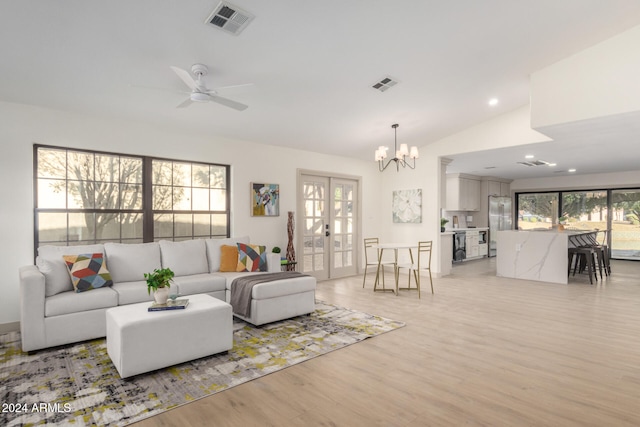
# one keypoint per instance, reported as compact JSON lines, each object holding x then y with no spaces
{"x":462,"y":219}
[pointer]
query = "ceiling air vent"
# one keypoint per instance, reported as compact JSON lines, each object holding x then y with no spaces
{"x":229,"y":18}
{"x":534,"y":163}
{"x":384,"y":84}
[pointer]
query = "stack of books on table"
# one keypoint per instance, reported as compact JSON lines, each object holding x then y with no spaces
{"x":178,"y":304}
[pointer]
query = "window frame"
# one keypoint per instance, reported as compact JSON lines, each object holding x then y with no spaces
{"x":146,"y":209}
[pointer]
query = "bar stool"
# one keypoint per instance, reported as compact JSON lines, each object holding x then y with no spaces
{"x":582,"y":255}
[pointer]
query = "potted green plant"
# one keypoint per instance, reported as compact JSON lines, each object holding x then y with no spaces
{"x":275,"y":250}
{"x":443,"y":222}
{"x":159,"y":282}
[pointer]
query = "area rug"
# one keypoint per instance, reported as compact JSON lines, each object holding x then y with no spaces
{"x":78,"y":384}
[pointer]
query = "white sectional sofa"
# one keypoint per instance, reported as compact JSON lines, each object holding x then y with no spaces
{"x":52,"y":313}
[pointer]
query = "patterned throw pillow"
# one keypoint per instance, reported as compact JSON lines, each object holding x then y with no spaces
{"x":88,"y":271}
{"x":252,"y":257}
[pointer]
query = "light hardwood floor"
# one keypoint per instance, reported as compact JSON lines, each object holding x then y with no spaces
{"x":483,"y":351}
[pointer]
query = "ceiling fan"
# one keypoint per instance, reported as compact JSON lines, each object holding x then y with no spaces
{"x":199,"y":91}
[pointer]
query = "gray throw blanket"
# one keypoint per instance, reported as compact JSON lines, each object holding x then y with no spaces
{"x":242,"y":287}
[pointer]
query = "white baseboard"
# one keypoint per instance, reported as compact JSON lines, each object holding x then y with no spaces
{"x":9,"y":327}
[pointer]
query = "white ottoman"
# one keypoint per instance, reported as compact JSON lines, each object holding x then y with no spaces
{"x":141,"y":341}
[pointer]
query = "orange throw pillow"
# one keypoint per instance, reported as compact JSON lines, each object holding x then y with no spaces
{"x":228,"y":258}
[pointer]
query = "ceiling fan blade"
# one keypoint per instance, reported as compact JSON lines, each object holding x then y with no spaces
{"x":228,"y":103}
{"x":185,"y":77}
{"x":185,"y":103}
{"x":212,"y":91}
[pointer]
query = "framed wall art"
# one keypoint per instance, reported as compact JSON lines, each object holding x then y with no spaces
{"x":407,"y":206}
{"x":265,"y":199}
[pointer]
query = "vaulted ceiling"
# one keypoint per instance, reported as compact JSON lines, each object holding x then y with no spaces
{"x":311,"y":63}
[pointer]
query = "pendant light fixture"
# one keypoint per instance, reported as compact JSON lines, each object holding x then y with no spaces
{"x":400,"y":158}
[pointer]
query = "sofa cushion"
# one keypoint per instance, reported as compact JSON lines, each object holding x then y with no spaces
{"x":198,"y":284}
{"x":72,"y":302}
{"x":88,"y":271}
{"x":283,"y":287}
{"x":184,"y":258}
{"x":278,"y":288}
{"x":129,"y":262}
{"x":213,"y":250}
{"x":133,"y":292}
{"x":51,"y":264}
{"x":252,"y":257}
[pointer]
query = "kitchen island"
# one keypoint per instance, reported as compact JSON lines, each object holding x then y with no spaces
{"x":534,"y":255}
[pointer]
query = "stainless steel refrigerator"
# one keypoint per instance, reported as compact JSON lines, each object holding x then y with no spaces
{"x":499,"y":219}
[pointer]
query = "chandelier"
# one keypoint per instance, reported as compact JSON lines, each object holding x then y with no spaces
{"x":400,"y":155}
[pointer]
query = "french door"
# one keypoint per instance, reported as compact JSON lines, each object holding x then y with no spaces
{"x":328,"y":224}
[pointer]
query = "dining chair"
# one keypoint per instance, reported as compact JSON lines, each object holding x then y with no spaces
{"x":371,"y":258}
{"x":423,"y":264}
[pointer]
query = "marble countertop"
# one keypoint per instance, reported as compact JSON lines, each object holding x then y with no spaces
{"x":453,"y":230}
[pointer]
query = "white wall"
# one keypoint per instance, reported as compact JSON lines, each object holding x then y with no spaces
{"x":21,"y":126}
{"x":599,"y":81}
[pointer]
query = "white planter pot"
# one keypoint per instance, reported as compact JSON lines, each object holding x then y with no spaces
{"x":161,"y":295}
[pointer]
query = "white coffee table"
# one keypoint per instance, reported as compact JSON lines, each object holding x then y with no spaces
{"x":140,"y":341}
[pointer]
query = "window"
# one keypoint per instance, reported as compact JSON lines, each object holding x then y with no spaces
{"x":536,"y":210}
{"x":189,"y":200}
{"x":584,"y":210}
{"x":86,"y":197}
{"x":616,"y":210}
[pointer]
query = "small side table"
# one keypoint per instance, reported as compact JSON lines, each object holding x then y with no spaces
{"x":288,"y":265}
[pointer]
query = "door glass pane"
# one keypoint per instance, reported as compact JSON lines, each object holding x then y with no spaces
{"x":308,"y":208}
{"x":625,"y":224}
{"x":537,"y":211}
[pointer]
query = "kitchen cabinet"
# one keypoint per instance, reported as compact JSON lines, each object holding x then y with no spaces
{"x":483,"y":249}
{"x":498,"y":188}
{"x":463,"y":193}
{"x":472,"y":244}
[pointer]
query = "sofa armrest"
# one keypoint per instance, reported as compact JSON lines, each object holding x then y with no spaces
{"x":273,"y":262}
{"x":32,"y":296}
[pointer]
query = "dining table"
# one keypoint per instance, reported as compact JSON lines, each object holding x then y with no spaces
{"x":381,"y":247}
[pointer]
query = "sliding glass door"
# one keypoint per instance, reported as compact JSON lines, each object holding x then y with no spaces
{"x":625,"y":227}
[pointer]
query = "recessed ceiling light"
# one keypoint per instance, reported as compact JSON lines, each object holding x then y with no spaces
{"x":571,"y":170}
{"x":552,"y":165}
{"x":529,"y":156}
{"x":493,"y":102}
